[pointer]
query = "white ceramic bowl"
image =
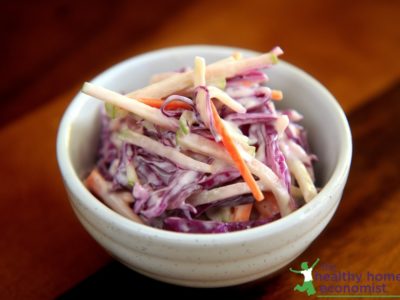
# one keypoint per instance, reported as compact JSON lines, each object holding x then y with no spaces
{"x":206,"y":260}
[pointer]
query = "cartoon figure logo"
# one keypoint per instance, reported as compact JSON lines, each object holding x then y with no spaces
{"x":308,"y":285}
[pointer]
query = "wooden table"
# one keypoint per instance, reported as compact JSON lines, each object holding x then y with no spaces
{"x":352,"y":48}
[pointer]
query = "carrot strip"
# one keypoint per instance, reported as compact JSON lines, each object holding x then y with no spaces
{"x":237,"y":158}
{"x":157,"y":103}
{"x":242,"y":212}
{"x":276,"y":95}
{"x":118,"y":201}
{"x":268,"y":207}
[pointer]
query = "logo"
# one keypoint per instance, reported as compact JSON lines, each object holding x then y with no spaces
{"x":333,"y":282}
{"x":306,"y":271}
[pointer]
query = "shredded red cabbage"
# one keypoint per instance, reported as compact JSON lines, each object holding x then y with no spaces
{"x":162,"y":190}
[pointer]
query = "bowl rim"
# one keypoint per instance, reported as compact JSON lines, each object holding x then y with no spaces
{"x":76,"y":186}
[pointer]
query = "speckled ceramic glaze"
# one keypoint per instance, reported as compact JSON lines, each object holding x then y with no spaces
{"x":206,"y":260}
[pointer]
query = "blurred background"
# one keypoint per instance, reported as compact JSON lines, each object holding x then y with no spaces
{"x":49,"y":47}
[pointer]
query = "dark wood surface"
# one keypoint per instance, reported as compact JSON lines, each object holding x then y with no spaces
{"x":50,"y":47}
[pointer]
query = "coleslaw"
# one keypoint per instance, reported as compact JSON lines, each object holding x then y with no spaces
{"x":203,"y":150}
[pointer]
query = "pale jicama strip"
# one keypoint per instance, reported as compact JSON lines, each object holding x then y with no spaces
{"x":201,"y":105}
{"x":297,"y":151}
{"x":223,"y":192}
{"x":295,"y":192}
{"x":170,"y":153}
{"x":232,"y":68}
{"x":281,"y":124}
{"x":199,"y":75}
{"x":202,"y":145}
{"x":161,"y":76}
{"x":303,"y":178}
{"x":118,"y":201}
{"x":144,"y":111}
{"x":294,"y":155}
{"x":272,"y":182}
{"x":182,"y":81}
{"x":172,"y":84}
{"x":225,"y":60}
{"x":226,"y":99}
{"x":199,"y":79}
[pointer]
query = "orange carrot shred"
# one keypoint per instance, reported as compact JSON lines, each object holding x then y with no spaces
{"x":157,"y":103}
{"x":276,"y":95}
{"x":242,"y":212}
{"x":234,"y":153}
{"x":268,"y":207}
